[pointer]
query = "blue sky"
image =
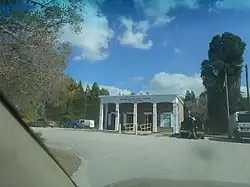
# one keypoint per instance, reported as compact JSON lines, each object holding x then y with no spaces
{"x":152,"y":45}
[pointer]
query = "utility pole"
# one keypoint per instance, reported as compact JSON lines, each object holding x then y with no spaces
{"x":227,"y":104}
{"x":248,"y":101}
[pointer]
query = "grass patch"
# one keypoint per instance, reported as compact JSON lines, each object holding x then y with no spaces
{"x":68,"y":161}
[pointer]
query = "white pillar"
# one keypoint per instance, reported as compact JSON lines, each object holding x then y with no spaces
{"x":175,"y":120}
{"x":135,"y":117}
{"x":106,"y":116}
{"x":101,"y":117}
{"x":154,"y":117}
{"x":177,"y":128}
{"x":117,"y":117}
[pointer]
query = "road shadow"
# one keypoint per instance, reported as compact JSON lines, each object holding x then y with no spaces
{"x":231,"y":140}
{"x":173,"y":183}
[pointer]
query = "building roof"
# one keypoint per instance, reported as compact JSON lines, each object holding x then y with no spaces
{"x":167,"y":96}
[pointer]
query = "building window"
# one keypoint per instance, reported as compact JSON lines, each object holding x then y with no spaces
{"x":130,"y":118}
{"x":165,"y":120}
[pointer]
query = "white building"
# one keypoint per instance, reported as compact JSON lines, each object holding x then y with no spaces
{"x":160,"y":111}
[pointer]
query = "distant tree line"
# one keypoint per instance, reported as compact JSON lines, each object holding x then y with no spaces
{"x":73,"y":102}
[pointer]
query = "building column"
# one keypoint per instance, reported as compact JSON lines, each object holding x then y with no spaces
{"x":106,"y":116}
{"x":117,"y":117}
{"x":154,"y":117}
{"x":101,"y":117}
{"x":135,"y":116}
{"x":175,"y":120}
{"x":177,"y":128}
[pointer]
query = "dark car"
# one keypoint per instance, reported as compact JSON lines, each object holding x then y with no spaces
{"x":42,"y":123}
{"x":68,"y":123}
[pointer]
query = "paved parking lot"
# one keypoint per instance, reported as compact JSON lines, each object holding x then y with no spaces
{"x":109,"y":158}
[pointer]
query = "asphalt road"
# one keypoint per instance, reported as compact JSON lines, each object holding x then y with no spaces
{"x":110,"y":158}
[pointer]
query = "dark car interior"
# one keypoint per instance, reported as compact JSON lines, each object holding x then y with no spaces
{"x":25,"y":161}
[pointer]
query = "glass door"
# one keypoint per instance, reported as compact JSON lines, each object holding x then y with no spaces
{"x":149,"y":118}
{"x":111,"y":121}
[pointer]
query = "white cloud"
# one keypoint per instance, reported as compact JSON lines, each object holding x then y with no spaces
{"x":233,"y":4}
{"x":177,"y":50}
{"x":141,"y":93}
{"x":77,"y":58}
{"x":213,"y":10}
{"x":135,"y":34}
{"x":167,"y":83}
{"x":112,"y":89}
{"x":175,"y":83}
{"x":243,"y":89}
{"x":138,"y":78}
{"x":164,"y":83}
{"x":94,"y":38}
{"x":116,"y":91}
{"x":162,"y":20}
{"x":157,"y":9}
{"x":179,"y":83}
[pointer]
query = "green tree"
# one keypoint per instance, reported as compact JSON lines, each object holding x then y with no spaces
{"x":242,"y":104}
{"x":187,"y":96}
{"x":190,"y":96}
{"x":62,"y":106}
{"x":79,"y":102}
{"x":29,"y":113}
{"x":202,"y":106}
{"x":33,"y":57}
{"x":198,"y":107}
{"x":225,"y":55}
{"x":104,"y":92}
{"x":189,"y":103}
{"x":94,"y":102}
{"x":193,"y":97}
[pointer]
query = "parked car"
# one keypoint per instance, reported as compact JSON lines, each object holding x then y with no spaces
{"x":85,"y":123}
{"x":81,"y":123}
{"x":68,"y":123}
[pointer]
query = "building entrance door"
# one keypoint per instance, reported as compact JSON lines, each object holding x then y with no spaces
{"x":148,"y":118}
{"x":111,"y":121}
{"x":128,"y":125}
{"x":148,"y":122}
